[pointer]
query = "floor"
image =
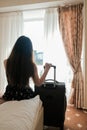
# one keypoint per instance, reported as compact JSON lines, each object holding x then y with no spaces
{"x":75,"y":119}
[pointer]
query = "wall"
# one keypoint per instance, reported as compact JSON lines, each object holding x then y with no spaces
{"x":5,"y":3}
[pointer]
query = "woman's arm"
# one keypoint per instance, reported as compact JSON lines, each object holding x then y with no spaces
{"x":39,"y":80}
{"x":1,"y":100}
{"x":5,"y":62}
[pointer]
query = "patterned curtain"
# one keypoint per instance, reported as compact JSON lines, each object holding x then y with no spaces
{"x":71,"y":28}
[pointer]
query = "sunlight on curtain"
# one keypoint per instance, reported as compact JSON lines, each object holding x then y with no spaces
{"x":54,"y":49}
{"x":11,"y":25}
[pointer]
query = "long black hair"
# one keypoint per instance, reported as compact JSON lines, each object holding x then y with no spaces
{"x":20,"y":66}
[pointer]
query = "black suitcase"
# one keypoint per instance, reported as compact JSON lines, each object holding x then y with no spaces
{"x":53,"y":96}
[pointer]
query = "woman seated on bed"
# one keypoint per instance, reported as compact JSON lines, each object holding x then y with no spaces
{"x":20,"y":67}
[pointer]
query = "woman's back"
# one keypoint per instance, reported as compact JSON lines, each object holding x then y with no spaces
{"x":19,"y":68}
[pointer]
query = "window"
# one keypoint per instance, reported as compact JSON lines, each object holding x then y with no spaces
{"x":34,"y":29}
{"x":43,"y":52}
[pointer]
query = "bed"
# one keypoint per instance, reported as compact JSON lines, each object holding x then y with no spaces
{"x":22,"y":115}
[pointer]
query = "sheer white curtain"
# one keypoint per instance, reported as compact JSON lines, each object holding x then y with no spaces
{"x":11,"y":26}
{"x":54,"y":50}
{"x":50,"y":33}
{"x":50,"y":22}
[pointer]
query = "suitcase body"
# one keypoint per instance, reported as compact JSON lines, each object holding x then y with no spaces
{"x":52,"y":94}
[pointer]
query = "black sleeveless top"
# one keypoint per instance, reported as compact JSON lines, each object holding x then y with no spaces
{"x":18,"y":93}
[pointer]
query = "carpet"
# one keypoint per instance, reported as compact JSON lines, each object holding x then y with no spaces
{"x":75,"y":119}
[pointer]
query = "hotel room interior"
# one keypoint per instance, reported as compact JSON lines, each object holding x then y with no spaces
{"x":57,"y":29}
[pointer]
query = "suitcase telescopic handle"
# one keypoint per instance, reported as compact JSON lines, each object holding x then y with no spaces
{"x":54,"y":74}
{"x":53,"y":66}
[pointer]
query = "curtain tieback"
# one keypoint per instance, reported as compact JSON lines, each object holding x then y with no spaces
{"x":78,"y":66}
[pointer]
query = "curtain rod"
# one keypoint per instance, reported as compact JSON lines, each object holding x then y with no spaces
{"x":50,"y":7}
{"x":26,"y":8}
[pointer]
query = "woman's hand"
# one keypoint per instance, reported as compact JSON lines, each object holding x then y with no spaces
{"x":47,"y":66}
{"x":39,"y":80}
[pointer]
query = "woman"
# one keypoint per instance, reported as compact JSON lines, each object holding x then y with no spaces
{"x":20,"y":67}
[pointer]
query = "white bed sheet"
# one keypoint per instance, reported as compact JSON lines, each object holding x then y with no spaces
{"x":19,"y":115}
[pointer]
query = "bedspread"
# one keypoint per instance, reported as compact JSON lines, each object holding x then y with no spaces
{"x":19,"y":115}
